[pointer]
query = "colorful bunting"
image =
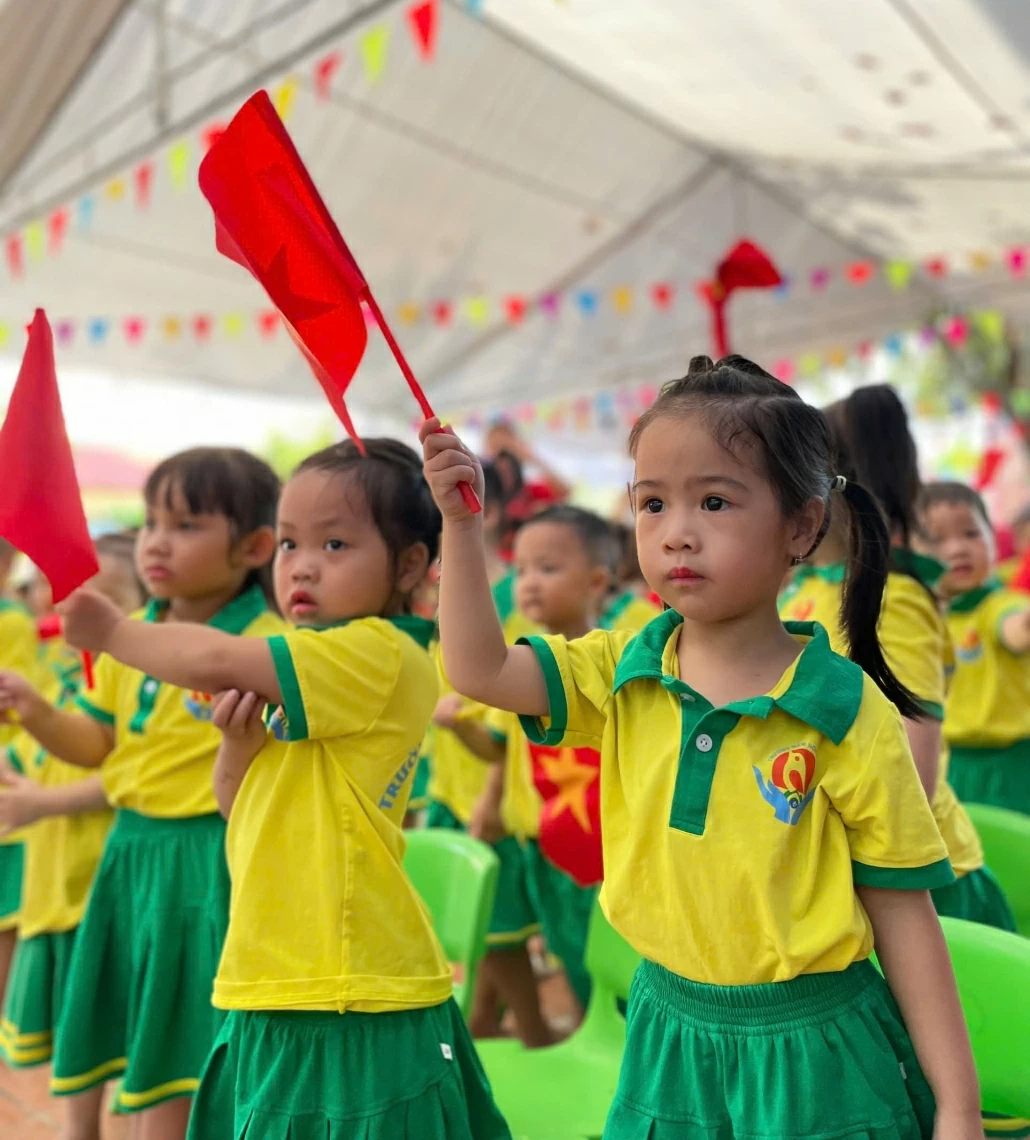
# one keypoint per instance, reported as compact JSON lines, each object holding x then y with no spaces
{"x":268,"y":322}
{"x":819,"y":279}
{"x":285,"y":96}
{"x":325,"y":69}
{"x":662,"y":294}
{"x":1015,"y":258}
{"x":84,"y":210}
{"x":373,"y":45}
{"x":179,"y":163}
{"x":956,"y":331}
{"x":409,"y":313}
{"x":57,"y":227}
{"x":15,"y":260}
{"x":937,"y":267}
{"x":171,"y":327}
{"x":423,"y":18}
{"x":201,"y":326}
{"x":860,"y":272}
{"x":34,"y":241}
{"x":979,"y":261}
{"x":115,"y":189}
{"x":515,"y":308}
{"x":98,"y":330}
{"x":134,"y":328}
{"x":477,"y":310}
{"x":211,"y":134}
{"x":898,"y":274}
{"x":442,"y":312}
{"x":233,"y":324}
{"x":622,"y":299}
{"x":142,"y":178}
{"x":65,"y":332}
{"x":550,"y":302}
{"x":586,"y":299}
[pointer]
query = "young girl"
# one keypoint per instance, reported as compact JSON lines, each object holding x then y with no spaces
{"x":761,"y":815}
{"x":138,"y":991}
{"x":987,"y":717}
{"x":872,"y":444}
{"x":341,"y":1022}
{"x":69,"y":817}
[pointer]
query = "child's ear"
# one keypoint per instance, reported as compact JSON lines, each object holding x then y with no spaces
{"x":601,"y":581}
{"x":808,"y":527}
{"x":257,"y":548}
{"x":412,"y":567}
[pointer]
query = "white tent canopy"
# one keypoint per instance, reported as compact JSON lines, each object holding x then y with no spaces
{"x":549,"y":145}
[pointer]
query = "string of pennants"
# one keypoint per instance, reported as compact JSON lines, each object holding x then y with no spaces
{"x":608,"y":410}
{"x":45,"y":236}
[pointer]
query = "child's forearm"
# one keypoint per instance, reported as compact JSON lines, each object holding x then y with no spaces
{"x":479,"y":740}
{"x":196,"y":657}
{"x":914,"y":957}
{"x":231,"y":765}
{"x":72,"y":799}
{"x":476,"y":659}
{"x":74,"y":738}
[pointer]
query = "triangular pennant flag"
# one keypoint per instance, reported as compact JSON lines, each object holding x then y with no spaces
{"x":423,"y":19}
{"x":442,"y":312}
{"x":898,"y":274}
{"x":201,"y":326}
{"x":179,"y":163}
{"x":65,"y":332}
{"x":40,"y":504}
{"x":285,"y":96}
{"x":662,"y":293}
{"x":325,"y":69}
{"x":937,"y":267}
{"x":57,"y":225}
{"x":171,"y":327}
{"x":142,"y":177}
{"x":373,"y":46}
{"x":34,"y":243}
{"x":515,"y":307}
{"x":98,"y":330}
{"x":15,"y":260}
{"x":268,"y":322}
{"x":134,"y":328}
{"x":622,"y":299}
{"x":84,"y":210}
{"x":477,"y":309}
{"x":586,"y":299}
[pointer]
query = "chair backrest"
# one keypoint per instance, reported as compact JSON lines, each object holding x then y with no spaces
{"x":610,"y":959}
{"x":1006,"y":840}
{"x":992,"y":968}
{"x":456,"y":877}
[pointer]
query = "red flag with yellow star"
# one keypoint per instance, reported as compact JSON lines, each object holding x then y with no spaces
{"x":568,"y":780}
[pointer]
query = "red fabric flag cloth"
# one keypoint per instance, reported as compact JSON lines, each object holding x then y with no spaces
{"x":1021,"y":579}
{"x":746,"y":266}
{"x":569,"y":782}
{"x":40,"y":504}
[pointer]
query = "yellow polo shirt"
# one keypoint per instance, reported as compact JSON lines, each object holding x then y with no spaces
{"x":988,"y":704}
{"x":916,"y":645}
{"x":457,"y":775}
{"x":19,"y":652}
{"x":165,"y":745}
{"x":628,"y":611}
{"x":734,"y":836}
{"x":61,"y":852}
{"x":314,"y":841}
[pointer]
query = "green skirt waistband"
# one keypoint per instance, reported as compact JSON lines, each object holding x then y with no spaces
{"x":801,"y":1001}
{"x":1018,"y":750}
{"x":128,"y":823}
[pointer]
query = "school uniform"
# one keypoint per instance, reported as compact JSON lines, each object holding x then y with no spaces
{"x":628,"y":611}
{"x":340,"y":1018}
{"x":19,"y":652}
{"x":987,"y":716}
{"x":917,"y":647}
{"x":61,"y":857}
{"x":138,"y":1000}
{"x":733,"y":840}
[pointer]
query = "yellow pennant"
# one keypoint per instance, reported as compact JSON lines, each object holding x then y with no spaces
{"x":622,"y":299}
{"x":232,"y":324}
{"x":179,"y":163}
{"x":171,"y":327}
{"x":34,"y":241}
{"x":373,"y":50}
{"x":477,"y":309}
{"x":285,"y":96}
{"x":115,"y":189}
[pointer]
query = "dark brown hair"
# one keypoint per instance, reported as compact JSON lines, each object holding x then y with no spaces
{"x":121,"y":544}
{"x":595,"y":535}
{"x":390,"y":478}
{"x":953,"y":493}
{"x":225,"y":481}
{"x":745,"y":407}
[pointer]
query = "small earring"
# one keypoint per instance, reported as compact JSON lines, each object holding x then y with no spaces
{"x":797,"y":559}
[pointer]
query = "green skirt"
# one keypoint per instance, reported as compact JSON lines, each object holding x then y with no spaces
{"x":405,"y":1075}
{"x":821,"y":1056}
{"x":34,"y":998}
{"x":12,"y":861}
{"x":998,"y":776}
{"x":564,"y":909}
{"x":138,"y":1001}
{"x":976,"y":897}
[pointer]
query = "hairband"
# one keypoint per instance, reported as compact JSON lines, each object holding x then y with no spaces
{"x":838,"y":483}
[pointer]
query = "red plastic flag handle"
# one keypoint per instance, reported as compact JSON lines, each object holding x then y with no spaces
{"x":467,"y":492}
{"x":87,"y":668}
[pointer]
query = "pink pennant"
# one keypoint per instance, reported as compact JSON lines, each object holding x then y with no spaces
{"x":442,"y":312}
{"x":325,"y":69}
{"x":956,"y":331}
{"x":57,"y":225}
{"x":423,"y":21}
{"x":661,"y":294}
{"x":549,"y":302}
{"x":819,"y":279}
{"x":201,"y":326}
{"x":937,"y":267}
{"x":65,"y":332}
{"x":784,"y":370}
{"x":268,"y":322}
{"x":1015,"y":258}
{"x":15,"y":255}
{"x":134,"y":329}
{"x":143,"y":177}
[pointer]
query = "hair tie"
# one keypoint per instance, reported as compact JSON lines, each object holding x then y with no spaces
{"x":838,"y":483}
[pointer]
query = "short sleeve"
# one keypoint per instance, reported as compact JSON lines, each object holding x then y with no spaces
{"x":101,"y":702}
{"x":893,"y":837}
{"x":579,"y":676}
{"x":913,"y":638}
{"x":335,"y":682}
{"x":19,"y":643}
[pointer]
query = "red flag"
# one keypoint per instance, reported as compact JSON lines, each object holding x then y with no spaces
{"x":568,"y":780}
{"x":423,"y":21}
{"x":270,"y":218}
{"x":40,"y":505}
{"x":746,"y":266}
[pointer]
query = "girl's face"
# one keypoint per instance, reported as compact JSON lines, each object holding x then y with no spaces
{"x":957,"y":535}
{"x":712,"y":539}
{"x":332,"y":562}
{"x":184,"y":555}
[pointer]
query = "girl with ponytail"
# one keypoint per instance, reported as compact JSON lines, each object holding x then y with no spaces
{"x":763,"y":821}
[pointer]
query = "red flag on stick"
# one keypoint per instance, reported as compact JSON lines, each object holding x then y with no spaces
{"x":270,"y":218}
{"x":745,"y":266}
{"x":40,"y":505}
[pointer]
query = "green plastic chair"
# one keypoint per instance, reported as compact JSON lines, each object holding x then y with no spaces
{"x":992,"y":968}
{"x":456,"y":876}
{"x":1006,"y":840}
{"x":563,"y":1092}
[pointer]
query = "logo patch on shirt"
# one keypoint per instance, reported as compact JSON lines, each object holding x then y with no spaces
{"x":278,"y":725}
{"x":199,"y":705}
{"x":970,"y":648}
{"x":800,"y":610}
{"x":396,"y":785}
{"x":789,"y":787}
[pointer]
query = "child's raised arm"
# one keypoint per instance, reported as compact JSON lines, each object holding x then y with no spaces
{"x":180,"y":653}
{"x":478,"y":662}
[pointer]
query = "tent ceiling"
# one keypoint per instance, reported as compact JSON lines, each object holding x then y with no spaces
{"x":548,"y":145}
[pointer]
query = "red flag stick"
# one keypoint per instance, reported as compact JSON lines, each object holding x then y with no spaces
{"x":467,"y":493}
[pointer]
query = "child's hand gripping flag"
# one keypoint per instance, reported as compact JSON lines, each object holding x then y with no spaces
{"x":40,"y":505}
{"x":270,"y":218}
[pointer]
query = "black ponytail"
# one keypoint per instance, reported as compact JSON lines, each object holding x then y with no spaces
{"x":744,"y":406}
{"x":868,"y":563}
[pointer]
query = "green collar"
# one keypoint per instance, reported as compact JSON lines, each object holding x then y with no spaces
{"x":834,"y":573}
{"x":617,"y":608}
{"x":420,"y":629}
{"x":922,"y":567}
{"x":972,"y":598}
{"x":825,"y":690}
{"x":233,"y":617}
